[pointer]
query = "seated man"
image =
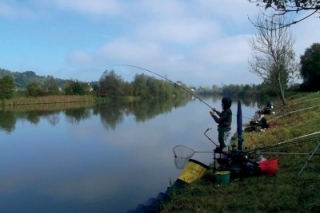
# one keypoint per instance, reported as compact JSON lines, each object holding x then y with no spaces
{"x":263,"y":123}
{"x":259,"y":121}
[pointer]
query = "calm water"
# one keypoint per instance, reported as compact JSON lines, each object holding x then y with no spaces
{"x":107,"y":158}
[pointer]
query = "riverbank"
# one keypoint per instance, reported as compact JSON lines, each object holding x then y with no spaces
{"x":60,"y":99}
{"x":286,"y":191}
{"x":52,"y":99}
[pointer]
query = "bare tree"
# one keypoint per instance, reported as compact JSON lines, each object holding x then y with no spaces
{"x":284,"y":7}
{"x":273,"y":58}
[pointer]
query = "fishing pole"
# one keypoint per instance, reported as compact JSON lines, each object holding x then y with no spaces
{"x":128,"y":65}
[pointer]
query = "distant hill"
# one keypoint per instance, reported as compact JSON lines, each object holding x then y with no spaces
{"x":22,"y":79}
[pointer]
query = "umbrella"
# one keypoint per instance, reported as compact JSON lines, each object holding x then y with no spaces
{"x":239,"y":126}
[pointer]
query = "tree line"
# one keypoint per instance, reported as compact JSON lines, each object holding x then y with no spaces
{"x":276,"y":76}
{"x":142,"y":86}
{"x":110,"y":85}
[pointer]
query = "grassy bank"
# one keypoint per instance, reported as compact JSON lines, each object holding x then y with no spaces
{"x":47,"y":100}
{"x":286,"y":191}
{"x":59,"y":99}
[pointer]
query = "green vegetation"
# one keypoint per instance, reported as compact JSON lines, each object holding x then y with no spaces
{"x":47,"y":100}
{"x":6,"y":87}
{"x":22,"y":79}
{"x":143,"y":86}
{"x":286,"y":191}
{"x":111,"y":87}
{"x":310,"y":68}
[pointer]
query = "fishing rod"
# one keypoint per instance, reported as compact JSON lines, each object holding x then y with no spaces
{"x":128,"y":65}
{"x":288,"y":143}
{"x":288,"y":153}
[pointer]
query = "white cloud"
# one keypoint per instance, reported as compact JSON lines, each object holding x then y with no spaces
{"x":16,"y":10}
{"x":182,"y":30}
{"x":306,"y":32}
{"x":96,"y":7}
{"x":125,"y":50}
{"x":224,"y":50}
{"x":79,"y":57}
{"x":186,"y":40}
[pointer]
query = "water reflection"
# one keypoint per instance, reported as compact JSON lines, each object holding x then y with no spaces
{"x":111,"y":114}
{"x":76,"y":115}
{"x":7,"y":121}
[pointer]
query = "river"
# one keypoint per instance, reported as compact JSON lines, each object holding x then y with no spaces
{"x":103,"y":158}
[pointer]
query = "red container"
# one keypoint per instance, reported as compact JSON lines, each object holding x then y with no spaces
{"x":270,"y":125}
{"x":269,"y":167}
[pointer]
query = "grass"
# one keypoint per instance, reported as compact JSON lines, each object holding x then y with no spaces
{"x":19,"y":100}
{"x":46,"y":100}
{"x":284,"y":192}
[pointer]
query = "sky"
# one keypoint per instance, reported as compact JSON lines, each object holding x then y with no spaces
{"x":198,"y":42}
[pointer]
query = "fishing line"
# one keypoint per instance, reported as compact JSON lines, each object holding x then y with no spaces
{"x":128,"y":65}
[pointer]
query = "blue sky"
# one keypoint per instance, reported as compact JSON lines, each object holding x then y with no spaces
{"x":199,"y":42}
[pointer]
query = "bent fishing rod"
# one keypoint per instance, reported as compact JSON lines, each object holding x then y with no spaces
{"x":128,"y":65}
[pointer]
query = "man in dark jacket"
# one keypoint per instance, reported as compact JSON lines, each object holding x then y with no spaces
{"x":223,"y":119}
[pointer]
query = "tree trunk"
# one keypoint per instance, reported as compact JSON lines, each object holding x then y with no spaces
{"x":281,"y":91}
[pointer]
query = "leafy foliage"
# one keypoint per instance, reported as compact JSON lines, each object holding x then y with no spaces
{"x":74,"y":87}
{"x":52,"y":86}
{"x":111,"y":84}
{"x":33,"y":89}
{"x":140,"y":85}
{"x":22,"y":79}
{"x":6,"y":87}
{"x":310,"y":68}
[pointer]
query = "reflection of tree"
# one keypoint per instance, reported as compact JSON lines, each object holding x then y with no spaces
{"x":53,"y":119}
{"x":247,"y":101}
{"x":76,"y":115}
{"x":111,"y":114}
{"x":7,"y":121}
{"x":149,"y":109}
{"x":33,"y":117}
{"x":9,"y":116}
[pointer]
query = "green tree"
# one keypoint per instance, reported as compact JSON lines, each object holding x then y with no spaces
{"x":272,"y":54}
{"x":154,"y":86}
{"x":111,"y":84}
{"x":33,"y":89}
{"x":52,"y":86}
{"x":6,"y":87}
{"x":310,"y":68}
{"x":75,"y":88}
{"x":140,"y":85}
{"x":128,"y":89}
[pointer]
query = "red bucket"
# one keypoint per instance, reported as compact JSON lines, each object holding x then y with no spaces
{"x":270,"y":125}
{"x":269,"y":167}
